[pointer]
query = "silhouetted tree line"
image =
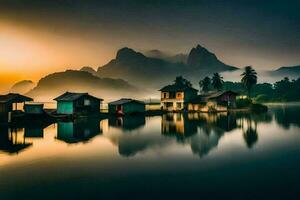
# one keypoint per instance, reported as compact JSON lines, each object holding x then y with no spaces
{"x":281,"y":91}
{"x":248,"y":81}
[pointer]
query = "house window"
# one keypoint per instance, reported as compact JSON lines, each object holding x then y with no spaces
{"x":172,"y":95}
{"x":87,"y":102}
{"x":164,"y":95}
{"x":178,"y":105}
{"x":169,"y":104}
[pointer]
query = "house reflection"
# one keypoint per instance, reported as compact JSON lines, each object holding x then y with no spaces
{"x":201,"y":130}
{"x":80,"y":130}
{"x":35,"y":129}
{"x":13,"y":140}
{"x":132,"y":136}
{"x":177,"y":124}
{"x":127,"y":123}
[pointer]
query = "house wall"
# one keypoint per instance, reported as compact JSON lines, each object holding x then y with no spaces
{"x":112,"y":108}
{"x":177,"y":95}
{"x":34,"y":109}
{"x":177,"y":103}
{"x":128,"y":108}
{"x":230,"y":98}
{"x":189,"y":95}
{"x":87,"y":104}
{"x":65,"y":107}
{"x":211,"y":106}
{"x":133,"y":107}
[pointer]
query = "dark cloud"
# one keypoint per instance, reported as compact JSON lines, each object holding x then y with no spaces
{"x":245,"y":29}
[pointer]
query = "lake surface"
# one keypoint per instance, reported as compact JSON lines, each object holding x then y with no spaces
{"x":174,"y":156}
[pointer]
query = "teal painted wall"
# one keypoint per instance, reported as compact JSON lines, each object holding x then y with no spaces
{"x":64,"y":107}
{"x":65,"y":130}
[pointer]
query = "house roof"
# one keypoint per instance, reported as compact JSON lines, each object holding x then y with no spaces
{"x":14,"y":98}
{"x":72,"y":96}
{"x":124,"y":101}
{"x":210,"y":95}
{"x":219,"y":93}
{"x":176,"y":87}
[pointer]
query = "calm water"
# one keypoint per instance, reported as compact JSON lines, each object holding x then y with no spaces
{"x":237,"y":156}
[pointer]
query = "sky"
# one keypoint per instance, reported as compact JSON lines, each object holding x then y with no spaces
{"x":38,"y":37}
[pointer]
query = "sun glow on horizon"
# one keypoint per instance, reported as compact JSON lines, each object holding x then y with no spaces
{"x":27,"y":53}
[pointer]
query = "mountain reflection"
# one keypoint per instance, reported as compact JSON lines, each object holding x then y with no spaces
{"x":79,"y":130}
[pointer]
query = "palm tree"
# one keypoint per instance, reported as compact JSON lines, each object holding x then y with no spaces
{"x":249,"y":78}
{"x":182,"y":81}
{"x":205,"y":84}
{"x":217,"y":81}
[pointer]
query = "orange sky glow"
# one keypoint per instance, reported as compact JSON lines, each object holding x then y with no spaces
{"x":31,"y":54}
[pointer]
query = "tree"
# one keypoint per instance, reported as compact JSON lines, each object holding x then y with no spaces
{"x":182,"y":81}
{"x":205,"y":84}
{"x":217,"y":81}
{"x":249,"y":79}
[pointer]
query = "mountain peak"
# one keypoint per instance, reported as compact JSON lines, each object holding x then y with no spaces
{"x":200,"y":56}
{"x":88,"y":69}
{"x":128,"y":54}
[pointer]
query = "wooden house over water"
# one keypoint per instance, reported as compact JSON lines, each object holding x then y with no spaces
{"x":214,"y":101}
{"x":77,"y":103}
{"x":9,"y":105}
{"x":176,"y":96}
{"x":126,"y":106}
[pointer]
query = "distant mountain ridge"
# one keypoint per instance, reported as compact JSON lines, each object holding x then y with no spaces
{"x":22,"y":87}
{"x":292,"y":72}
{"x":139,"y":69}
{"x":200,"y":58}
{"x":177,"y":58}
{"x":80,"y":81}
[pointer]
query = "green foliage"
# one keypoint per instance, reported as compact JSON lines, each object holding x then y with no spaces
{"x":217,"y":81}
{"x":249,"y":78}
{"x":281,"y":91}
{"x":258,"y":108}
{"x":205,"y":84}
{"x":182,"y":81}
{"x":243,"y":103}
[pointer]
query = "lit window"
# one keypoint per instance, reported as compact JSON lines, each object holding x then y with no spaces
{"x":87,"y":102}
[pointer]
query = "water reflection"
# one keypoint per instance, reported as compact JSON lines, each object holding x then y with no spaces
{"x":12,"y":140}
{"x":287,"y":116}
{"x":79,"y":130}
{"x":127,"y":123}
{"x":201,"y":132}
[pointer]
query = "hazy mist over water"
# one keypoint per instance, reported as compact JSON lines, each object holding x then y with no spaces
{"x":235,"y":154}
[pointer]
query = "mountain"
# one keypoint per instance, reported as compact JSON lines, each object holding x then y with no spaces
{"x":79,"y":81}
{"x":88,"y":69}
{"x":177,"y":58}
{"x":22,"y":87}
{"x":292,"y":72}
{"x":201,"y":59}
{"x":145,"y":71}
{"x":139,"y":69}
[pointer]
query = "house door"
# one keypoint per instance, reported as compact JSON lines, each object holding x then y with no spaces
{"x":119,"y":108}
